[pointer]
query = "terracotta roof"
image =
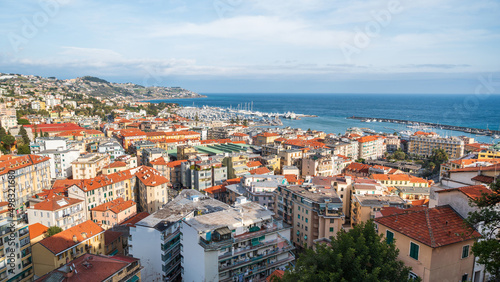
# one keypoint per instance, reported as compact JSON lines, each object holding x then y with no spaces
{"x":365,"y":139}
{"x":16,"y":163}
{"x":398,"y":177}
{"x":110,"y":236}
{"x":134,"y":219}
{"x":216,"y":189}
{"x":277,"y":273}
{"x":239,"y":134}
{"x":424,"y":133}
{"x":55,"y":203}
{"x":159,"y":161}
{"x":260,"y":170}
{"x":232,"y":181}
{"x":268,"y":134}
{"x":65,"y":183}
{"x":483,"y":179}
{"x":116,"y":164}
{"x":358,"y":167}
{"x":474,"y":192}
{"x":150,"y":176}
{"x":218,"y":141}
{"x":36,"y":230}
{"x":254,"y":164}
{"x":495,"y":167}
{"x":104,"y":180}
{"x":64,"y":240}
{"x":101,"y":268}
{"x":54,"y":127}
{"x":116,"y":206}
{"x":434,"y":227}
{"x":176,"y":163}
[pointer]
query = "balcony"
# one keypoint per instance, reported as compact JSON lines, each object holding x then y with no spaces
{"x":169,"y":236}
{"x":250,"y":248}
{"x":169,"y":268}
{"x":265,"y":229}
{"x":247,"y":261}
{"x":167,"y":259}
{"x":259,"y":269}
{"x":212,"y":245}
{"x":168,"y":247}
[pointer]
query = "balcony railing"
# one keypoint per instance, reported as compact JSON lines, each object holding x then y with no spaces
{"x":255,"y":259}
{"x":250,"y":248}
{"x":212,"y":245}
{"x":259,"y":269}
{"x":169,"y":236}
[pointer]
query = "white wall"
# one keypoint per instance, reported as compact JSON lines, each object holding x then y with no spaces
{"x":145,"y":245}
{"x":198,"y":264}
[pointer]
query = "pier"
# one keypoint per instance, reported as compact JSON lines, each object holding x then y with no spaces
{"x":470,"y":130}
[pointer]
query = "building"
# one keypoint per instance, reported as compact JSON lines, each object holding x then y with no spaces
{"x":31,"y":175}
{"x":321,"y":164}
{"x":256,"y":188}
{"x":171,"y":170}
{"x":371,"y":147}
{"x":401,"y":180}
{"x":58,"y":211}
{"x":105,"y":188}
{"x":434,"y":242}
{"x":63,"y":247}
{"x":37,"y":232}
{"x":150,"y":154}
{"x":8,"y":122}
{"x":116,"y":166}
{"x":91,"y":267}
{"x":236,"y":165}
{"x":162,"y":228}
{"x":313,"y":211}
{"x":112,"y":148}
{"x":365,"y":207}
{"x":114,"y":212}
{"x":152,"y":189}
{"x":424,"y":144}
{"x":200,"y":174}
{"x":392,"y":143}
{"x":89,"y":165}
{"x":15,"y":262}
{"x":60,"y":154}
{"x":265,"y":138}
{"x":242,"y":243}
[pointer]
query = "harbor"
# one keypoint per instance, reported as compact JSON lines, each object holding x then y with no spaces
{"x":430,"y":125}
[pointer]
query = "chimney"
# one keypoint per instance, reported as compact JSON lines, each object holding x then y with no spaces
{"x":75,"y":239}
{"x":84,"y":235}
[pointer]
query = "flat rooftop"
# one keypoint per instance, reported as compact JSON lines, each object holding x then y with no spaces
{"x":241,"y":215}
{"x":379,"y":200}
{"x":182,"y":205}
{"x":315,"y":193}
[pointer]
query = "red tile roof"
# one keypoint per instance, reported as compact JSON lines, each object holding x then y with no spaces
{"x":254,"y":164}
{"x":483,"y":179}
{"x":116,"y":164}
{"x":54,"y":127}
{"x":176,"y":163}
{"x":495,"y":167}
{"x":134,"y":219}
{"x":358,"y":167}
{"x":36,"y":230}
{"x":55,"y":203}
{"x":150,"y":176}
{"x":268,"y":134}
{"x":474,"y":192}
{"x":104,"y":180}
{"x":218,"y":141}
{"x":16,"y":163}
{"x":435,"y":227}
{"x":365,"y":139}
{"x":64,"y":240}
{"x":260,"y":170}
{"x":215,"y":189}
{"x":110,"y":236}
{"x":116,"y":206}
{"x":277,"y":273}
{"x":159,"y":161}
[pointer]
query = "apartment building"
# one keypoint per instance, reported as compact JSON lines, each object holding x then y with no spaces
{"x":114,"y":212}
{"x":424,"y":144}
{"x":31,"y":175}
{"x":171,"y":170}
{"x":434,"y":242}
{"x":242,"y":243}
{"x":152,"y":189}
{"x":128,"y":137}
{"x":58,"y":211}
{"x":150,"y":154}
{"x":162,"y":228}
{"x":61,"y":156}
{"x":314,"y":212}
{"x":90,"y":267}
{"x":371,"y":147}
{"x":256,"y":188}
{"x":321,"y":165}
{"x":63,"y":247}
{"x":89,"y":165}
{"x":367,"y":206}
{"x":105,"y":188}
{"x":236,"y":165}
{"x":392,"y":143}
{"x":112,"y":148}
{"x":201,"y":174}
{"x":265,"y":138}
{"x":15,"y":262}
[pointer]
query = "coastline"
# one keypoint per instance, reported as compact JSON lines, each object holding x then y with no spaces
{"x":176,"y":98}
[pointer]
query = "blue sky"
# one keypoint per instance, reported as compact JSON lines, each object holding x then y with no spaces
{"x":242,"y":46}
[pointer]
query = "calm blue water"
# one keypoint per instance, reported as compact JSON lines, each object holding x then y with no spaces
{"x":332,"y":109}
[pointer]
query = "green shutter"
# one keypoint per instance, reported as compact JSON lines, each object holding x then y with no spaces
{"x":465,"y":251}
{"x":389,"y":237}
{"x":414,"y":248}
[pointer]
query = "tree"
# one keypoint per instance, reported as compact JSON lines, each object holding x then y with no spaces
{"x":399,"y":155}
{"x":24,"y":134}
{"x":23,"y":121}
{"x":8,"y":141}
{"x":24,"y":149}
{"x":487,"y":218}
{"x":357,"y":255}
{"x":245,"y":122}
{"x":53,"y":230}
{"x":438,"y":157}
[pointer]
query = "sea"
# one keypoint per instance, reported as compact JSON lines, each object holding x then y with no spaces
{"x":333,"y":110}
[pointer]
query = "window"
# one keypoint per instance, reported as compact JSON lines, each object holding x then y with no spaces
{"x":412,"y":275}
{"x":307,"y":220}
{"x":464,"y":277}
{"x":331,"y":229}
{"x":298,"y":216}
{"x":389,"y":237}
{"x":414,"y":248}
{"x":465,"y":251}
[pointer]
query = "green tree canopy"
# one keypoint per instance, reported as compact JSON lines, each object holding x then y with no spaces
{"x":487,"y":216}
{"x":24,"y":149}
{"x":24,"y":134}
{"x":23,"y":121}
{"x":53,"y":230}
{"x":357,"y":255}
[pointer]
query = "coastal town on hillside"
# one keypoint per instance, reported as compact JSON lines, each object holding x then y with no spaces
{"x":101,"y":185}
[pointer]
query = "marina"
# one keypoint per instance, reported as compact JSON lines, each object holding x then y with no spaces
{"x":429,"y":125}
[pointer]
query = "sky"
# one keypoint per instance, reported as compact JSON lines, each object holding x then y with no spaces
{"x":260,"y":46}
